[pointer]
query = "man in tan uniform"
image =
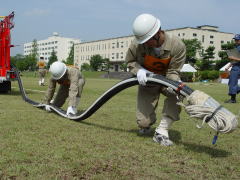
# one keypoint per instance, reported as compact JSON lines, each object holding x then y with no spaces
{"x":71,"y":84}
{"x":41,"y":71}
{"x":155,"y":51}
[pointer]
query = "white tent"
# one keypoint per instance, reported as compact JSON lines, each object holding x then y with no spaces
{"x":188,"y":68}
{"x":224,"y":67}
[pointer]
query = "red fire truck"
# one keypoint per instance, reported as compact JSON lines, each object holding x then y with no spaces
{"x":6,"y":71}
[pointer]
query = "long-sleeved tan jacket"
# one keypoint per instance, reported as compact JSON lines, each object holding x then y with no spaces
{"x":70,"y":81}
{"x":172,"y":57}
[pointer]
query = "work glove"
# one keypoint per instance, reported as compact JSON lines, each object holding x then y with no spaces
{"x":47,"y":107}
{"x":168,"y":91}
{"x":142,"y":76}
{"x":71,"y":110}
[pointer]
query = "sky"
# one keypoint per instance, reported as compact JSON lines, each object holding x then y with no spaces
{"x":90,"y":20}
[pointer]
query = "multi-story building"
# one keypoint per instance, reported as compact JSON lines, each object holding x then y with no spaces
{"x":61,"y":46}
{"x":115,"y":48}
{"x":206,"y":34}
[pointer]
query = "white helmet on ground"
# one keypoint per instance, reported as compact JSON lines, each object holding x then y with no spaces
{"x":145,"y":26}
{"x":57,"y":69}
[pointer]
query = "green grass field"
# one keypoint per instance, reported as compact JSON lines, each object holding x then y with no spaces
{"x":35,"y":144}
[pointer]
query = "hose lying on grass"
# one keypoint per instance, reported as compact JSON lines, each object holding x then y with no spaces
{"x":199,"y":104}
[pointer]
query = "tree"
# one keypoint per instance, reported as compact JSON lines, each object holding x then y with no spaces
{"x":24,"y":63}
{"x":96,"y":62}
{"x":209,"y":53}
{"x":33,"y":57}
{"x":206,"y":63}
{"x":30,"y":62}
{"x":220,"y":63}
{"x":70,"y":59}
{"x":123,"y":67}
{"x":106,"y":65}
{"x":85,"y":67}
{"x":192,"y":46}
{"x":19,"y":62}
{"x":228,"y":46}
{"x":15,"y":59}
{"x":223,"y":55}
{"x":52,"y":58}
{"x":35,"y":49}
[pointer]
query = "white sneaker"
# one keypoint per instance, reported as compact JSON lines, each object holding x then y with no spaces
{"x":161,"y":139}
{"x":144,"y":131}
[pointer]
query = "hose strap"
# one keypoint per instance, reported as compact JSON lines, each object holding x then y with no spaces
{"x":179,"y":88}
{"x":213,"y":114}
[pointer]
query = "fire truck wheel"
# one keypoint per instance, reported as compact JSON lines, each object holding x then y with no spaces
{"x":5,"y":86}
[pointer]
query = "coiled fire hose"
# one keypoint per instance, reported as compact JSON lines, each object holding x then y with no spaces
{"x":199,"y":105}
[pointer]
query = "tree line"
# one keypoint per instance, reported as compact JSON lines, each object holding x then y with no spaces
{"x":97,"y":63}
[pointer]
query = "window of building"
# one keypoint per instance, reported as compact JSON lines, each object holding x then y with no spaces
{"x":211,"y":36}
{"x":222,"y":42}
{"x":211,"y":42}
{"x":178,"y":34}
{"x":194,"y":34}
{"x":183,"y":34}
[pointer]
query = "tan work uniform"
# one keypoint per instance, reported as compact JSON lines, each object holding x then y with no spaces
{"x":167,"y":61}
{"x":41,"y":69}
{"x":71,"y":85}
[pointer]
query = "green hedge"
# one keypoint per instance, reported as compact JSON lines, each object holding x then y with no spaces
{"x":199,"y":76}
{"x":208,"y":75}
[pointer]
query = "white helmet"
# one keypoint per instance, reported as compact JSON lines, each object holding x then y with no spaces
{"x":57,"y":69}
{"x":145,"y":26}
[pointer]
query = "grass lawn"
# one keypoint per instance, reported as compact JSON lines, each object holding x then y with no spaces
{"x":35,"y":144}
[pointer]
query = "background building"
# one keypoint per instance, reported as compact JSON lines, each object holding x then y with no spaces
{"x":115,"y":48}
{"x":206,"y":34}
{"x":61,"y":45}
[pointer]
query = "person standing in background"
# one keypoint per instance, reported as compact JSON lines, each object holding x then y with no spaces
{"x":234,"y":57}
{"x":42,"y":71}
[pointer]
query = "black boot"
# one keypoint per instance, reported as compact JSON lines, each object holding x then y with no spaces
{"x":232,"y":100}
